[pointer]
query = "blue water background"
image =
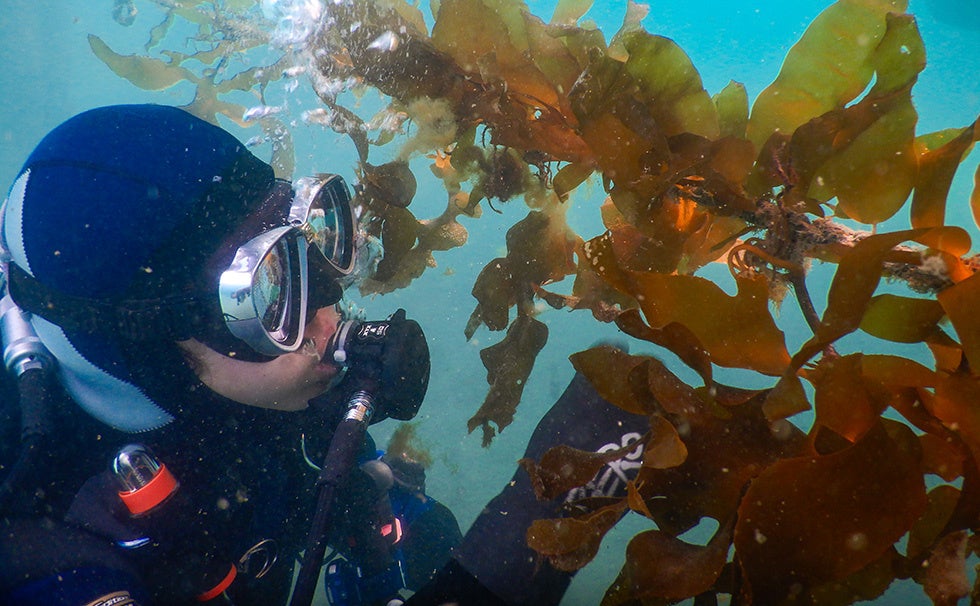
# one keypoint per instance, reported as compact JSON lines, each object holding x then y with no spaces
{"x":48,"y":74}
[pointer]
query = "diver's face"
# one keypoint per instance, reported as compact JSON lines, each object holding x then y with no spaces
{"x":287,"y":382}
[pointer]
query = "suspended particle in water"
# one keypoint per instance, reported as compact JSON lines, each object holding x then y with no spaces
{"x":386,"y":42}
{"x":857,"y":541}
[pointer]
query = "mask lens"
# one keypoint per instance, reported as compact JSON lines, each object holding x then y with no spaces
{"x":272,"y":288}
{"x":327,"y":222}
{"x":324,"y":231}
{"x":263,"y":293}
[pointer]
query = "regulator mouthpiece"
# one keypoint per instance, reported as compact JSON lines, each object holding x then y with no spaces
{"x":392,"y":355}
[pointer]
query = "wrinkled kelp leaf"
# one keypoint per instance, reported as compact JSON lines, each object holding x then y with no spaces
{"x":674,"y":336}
{"x":540,"y":247}
{"x":509,"y":364}
{"x":955,"y":405}
{"x":659,"y":565}
{"x":614,"y":387}
{"x":494,"y":292}
{"x":862,"y":154}
{"x":664,"y":449}
{"x":940,"y":504}
{"x":392,"y":183}
{"x":959,"y":303}
{"x":736,"y":331}
{"x":670,"y":392}
{"x":563,"y":468}
{"x":145,"y":72}
{"x":569,"y":177}
{"x":508,"y":89}
{"x":941,"y":457}
{"x":866,"y":584}
{"x":568,"y":12}
{"x":670,"y":86}
{"x":902,"y":319}
{"x":732,"y":104}
{"x":858,"y":275}
{"x":936,"y":170}
{"x":539,"y":250}
{"x":845,"y":401}
{"x":571,"y":543}
{"x":399,"y":233}
{"x":820,"y":518}
{"x":975,"y":197}
{"x":829,"y":67}
{"x":897,"y":372}
{"x":711,"y":480}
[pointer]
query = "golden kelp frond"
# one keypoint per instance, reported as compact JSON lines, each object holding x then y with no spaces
{"x":570,"y":543}
{"x":563,"y":468}
{"x":225,"y":30}
{"x":827,"y":69}
{"x":936,"y":169}
{"x":145,"y":72}
{"x":659,"y":565}
{"x":508,"y":106}
{"x":877,"y":494}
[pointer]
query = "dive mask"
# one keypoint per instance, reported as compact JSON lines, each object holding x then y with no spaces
{"x":296,"y":263}
{"x":278,"y":275}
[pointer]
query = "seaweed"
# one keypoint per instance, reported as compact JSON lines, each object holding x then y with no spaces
{"x":885,"y":484}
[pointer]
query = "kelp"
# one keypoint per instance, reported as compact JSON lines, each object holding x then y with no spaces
{"x":885,"y":484}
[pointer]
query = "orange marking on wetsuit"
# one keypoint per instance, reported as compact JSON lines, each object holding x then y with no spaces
{"x":220,"y":587}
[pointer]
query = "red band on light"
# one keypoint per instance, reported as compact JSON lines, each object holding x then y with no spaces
{"x":395,"y":527}
{"x":220,"y":587}
{"x":155,"y":492}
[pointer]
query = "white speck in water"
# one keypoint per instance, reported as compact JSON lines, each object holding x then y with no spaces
{"x":857,"y":541}
{"x":386,"y":42}
{"x":260,"y":111}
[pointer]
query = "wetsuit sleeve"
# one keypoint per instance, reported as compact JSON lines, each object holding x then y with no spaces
{"x":429,"y":544}
{"x":453,"y":584}
{"x":494,"y":563}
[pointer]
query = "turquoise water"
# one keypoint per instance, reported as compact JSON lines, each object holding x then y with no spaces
{"x":49,"y":74}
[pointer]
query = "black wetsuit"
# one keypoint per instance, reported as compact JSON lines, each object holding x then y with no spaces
{"x":244,"y":479}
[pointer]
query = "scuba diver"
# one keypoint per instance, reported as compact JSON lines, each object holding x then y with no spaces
{"x":184,"y":415}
